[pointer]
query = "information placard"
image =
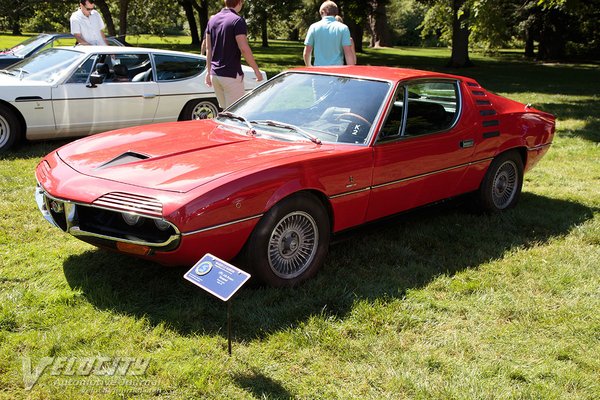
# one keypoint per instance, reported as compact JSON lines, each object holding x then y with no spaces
{"x":217,"y":277}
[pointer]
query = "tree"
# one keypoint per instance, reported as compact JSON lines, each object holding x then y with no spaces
{"x":378,"y":23}
{"x":260,"y":14}
{"x":451,"y":19}
{"x":14,"y":12}
{"x":107,"y":16}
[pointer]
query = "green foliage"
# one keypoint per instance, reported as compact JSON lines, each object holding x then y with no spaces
{"x":405,"y":18}
{"x":157,"y":17}
{"x":50,"y":17}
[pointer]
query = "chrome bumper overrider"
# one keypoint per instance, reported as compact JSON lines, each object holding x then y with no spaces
{"x":70,"y":217}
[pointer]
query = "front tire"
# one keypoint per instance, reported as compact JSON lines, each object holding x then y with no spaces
{"x":10,"y":129}
{"x":290,"y":243}
{"x":200,"y":109}
{"x":501,"y":186}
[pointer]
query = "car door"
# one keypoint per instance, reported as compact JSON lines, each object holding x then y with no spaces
{"x":181,"y":80}
{"x":119,"y":101}
{"x":423,"y":150}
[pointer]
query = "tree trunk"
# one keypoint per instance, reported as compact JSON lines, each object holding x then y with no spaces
{"x":264,"y":33}
{"x":460,"y":36}
{"x":202,"y":10}
{"x":16,"y":27}
{"x":123,"y":7}
{"x":191,"y":18}
{"x":529,"y":48}
{"x":294,"y":35}
{"x":552,"y":42}
{"x":107,"y":16}
{"x":378,"y":23}
{"x":356,"y":31}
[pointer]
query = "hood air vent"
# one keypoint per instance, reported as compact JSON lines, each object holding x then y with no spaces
{"x":124,"y":158}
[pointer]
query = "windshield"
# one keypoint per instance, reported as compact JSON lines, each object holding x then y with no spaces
{"x":45,"y":66}
{"x":317,"y":107}
{"x":24,"y":48}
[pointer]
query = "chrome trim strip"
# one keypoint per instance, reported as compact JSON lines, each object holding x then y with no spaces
{"x":410,"y":178}
{"x":166,"y":245}
{"x":210,"y":228}
{"x":539,"y":146}
{"x":335,"y":196}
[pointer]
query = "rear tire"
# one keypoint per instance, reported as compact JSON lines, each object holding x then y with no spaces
{"x":501,"y":186}
{"x":200,"y":109}
{"x":10,"y":129}
{"x":290,"y":243}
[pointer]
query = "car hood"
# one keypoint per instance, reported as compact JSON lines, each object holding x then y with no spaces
{"x":176,"y":156}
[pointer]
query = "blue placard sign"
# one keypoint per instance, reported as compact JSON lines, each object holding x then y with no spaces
{"x":217,"y":277}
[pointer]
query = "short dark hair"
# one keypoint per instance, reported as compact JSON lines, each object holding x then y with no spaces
{"x":232,"y":3}
{"x":86,"y":1}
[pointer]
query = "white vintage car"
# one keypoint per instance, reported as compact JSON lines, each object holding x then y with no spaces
{"x":82,"y":90}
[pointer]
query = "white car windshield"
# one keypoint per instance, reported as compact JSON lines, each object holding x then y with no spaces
{"x":24,"y":48}
{"x":312,"y":106}
{"x":45,"y":66}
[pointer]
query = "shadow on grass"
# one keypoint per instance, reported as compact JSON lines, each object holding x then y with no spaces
{"x":261,"y":386}
{"x":380,"y":261}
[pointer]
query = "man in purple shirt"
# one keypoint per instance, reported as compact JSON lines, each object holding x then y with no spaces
{"x":226,"y":41}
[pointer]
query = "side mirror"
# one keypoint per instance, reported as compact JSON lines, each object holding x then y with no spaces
{"x":95,"y":79}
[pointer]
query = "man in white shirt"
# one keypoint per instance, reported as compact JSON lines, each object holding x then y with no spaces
{"x":87,"y":25}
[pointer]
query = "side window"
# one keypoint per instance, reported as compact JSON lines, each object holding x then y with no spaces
{"x":431,"y":107}
{"x":170,"y":68}
{"x":393,"y":123}
{"x":129,"y":67}
{"x":81,"y":74}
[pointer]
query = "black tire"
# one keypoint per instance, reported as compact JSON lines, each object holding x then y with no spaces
{"x":10,"y":129}
{"x":200,"y":109}
{"x":501,"y":186}
{"x":290,"y":243}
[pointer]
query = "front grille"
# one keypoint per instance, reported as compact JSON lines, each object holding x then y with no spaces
{"x":130,"y":202}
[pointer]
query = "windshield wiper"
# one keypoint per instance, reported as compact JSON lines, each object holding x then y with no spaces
{"x":229,"y":114}
{"x":7,"y":72}
{"x":22,"y":72}
{"x":290,"y":127}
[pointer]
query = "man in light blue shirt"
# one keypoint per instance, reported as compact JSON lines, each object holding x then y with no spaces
{"x":329,"y":39}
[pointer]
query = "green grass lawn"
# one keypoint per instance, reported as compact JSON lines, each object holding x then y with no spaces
{"x":442,"y":303}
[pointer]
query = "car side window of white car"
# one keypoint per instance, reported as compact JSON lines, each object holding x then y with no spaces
{"x":169,"y":67}
{"x":80,"y":75}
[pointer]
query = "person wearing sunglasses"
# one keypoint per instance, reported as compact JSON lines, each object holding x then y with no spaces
{"x":87,"y":25}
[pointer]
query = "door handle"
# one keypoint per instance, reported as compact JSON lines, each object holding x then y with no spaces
{"x":466,"y":143}
{"x":149,"y":95}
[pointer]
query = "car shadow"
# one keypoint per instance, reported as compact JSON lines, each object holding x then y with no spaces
{"x":404,"y":253}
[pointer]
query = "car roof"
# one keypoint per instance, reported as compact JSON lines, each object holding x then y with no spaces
{"x":375,"y":72}
{"x":125,"y":50}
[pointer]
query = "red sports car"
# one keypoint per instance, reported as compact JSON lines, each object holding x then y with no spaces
{"x":310,"y":153}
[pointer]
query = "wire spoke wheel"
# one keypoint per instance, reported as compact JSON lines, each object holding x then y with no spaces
{"x":501,"y":186}
{"x":505,"y":184}
{"x":293,"y":245}
{"x":204,"y":110}
{"x":4,"y":131}
{"x":10,"y":128}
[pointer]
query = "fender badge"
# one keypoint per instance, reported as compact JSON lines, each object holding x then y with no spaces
{"x":351,"y":182}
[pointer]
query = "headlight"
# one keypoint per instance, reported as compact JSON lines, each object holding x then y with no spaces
{"x":130,"y":219}
{"x":161,"y":224}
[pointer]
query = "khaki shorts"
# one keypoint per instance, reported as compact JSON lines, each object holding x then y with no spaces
{"x":228,"y":90}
